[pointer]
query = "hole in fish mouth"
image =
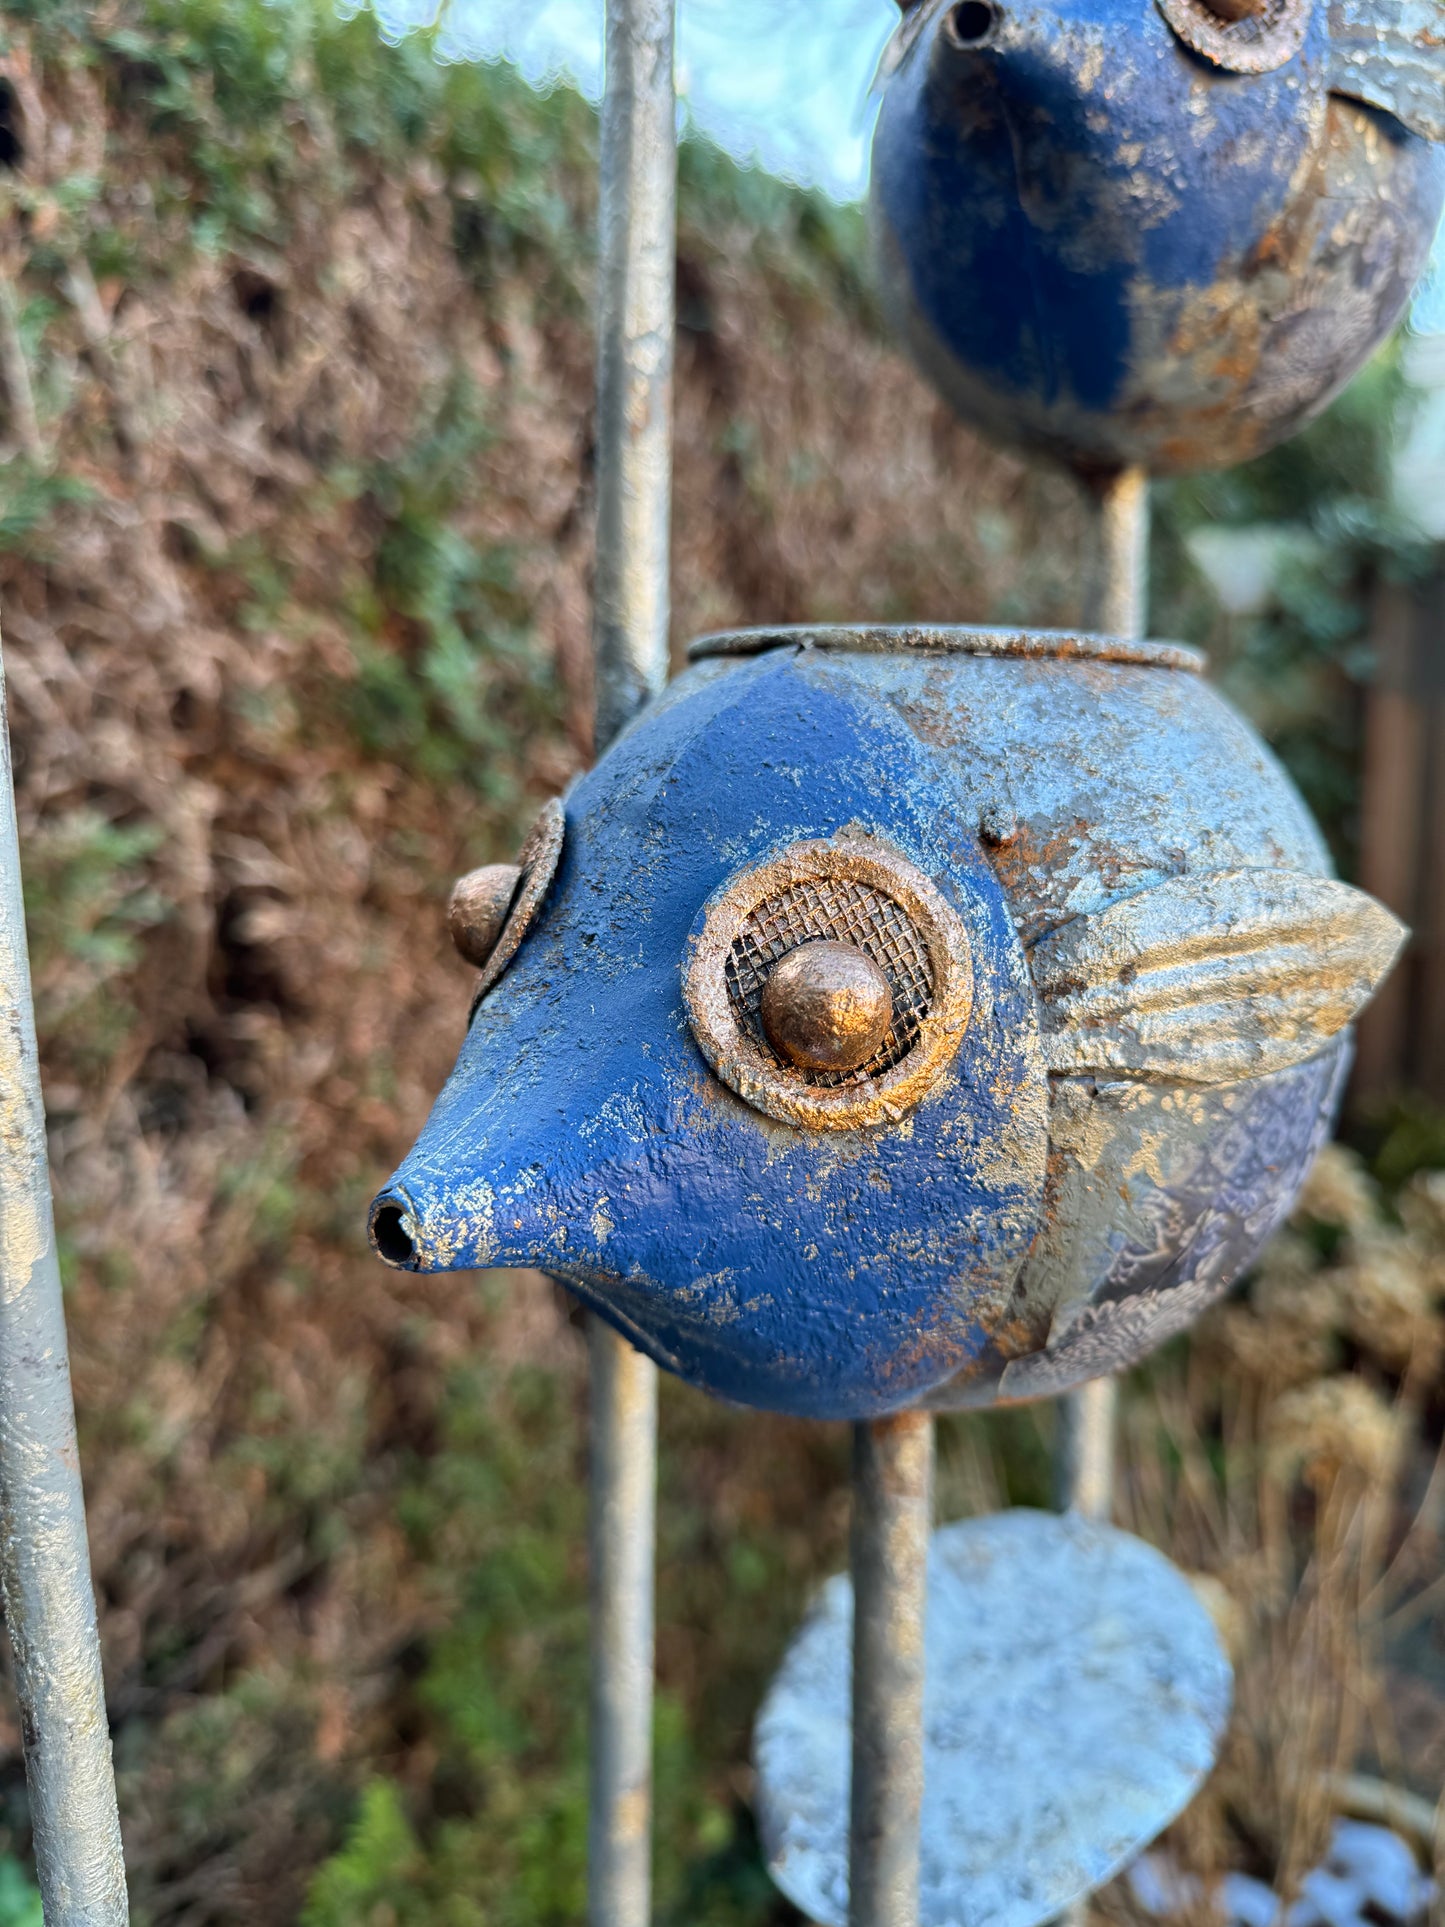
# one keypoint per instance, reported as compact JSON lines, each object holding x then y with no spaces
{"x":390,"y":1236}
{"x":972,"y":23}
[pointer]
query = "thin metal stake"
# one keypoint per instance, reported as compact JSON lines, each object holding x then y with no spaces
{"x":44,"y":1558}
{"x":1117,"y":602}
{"x":1088,"y":1419}
{"x":892,"y":1524}
{"x":621,"y":1545}
{"x":636,"y":326}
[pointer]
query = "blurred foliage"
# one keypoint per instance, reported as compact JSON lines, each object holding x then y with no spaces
{"x":1296,"y":664}
{"x":19,"y":1901}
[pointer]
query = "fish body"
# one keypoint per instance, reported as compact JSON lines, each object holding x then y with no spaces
{"x":1103,"y":243}
{"x":1121,"y":981}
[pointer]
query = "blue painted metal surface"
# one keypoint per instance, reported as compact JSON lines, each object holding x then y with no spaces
{"x":1060,"y":1190}
{"x":1099,"y":244}
{"x":583,"y":1133}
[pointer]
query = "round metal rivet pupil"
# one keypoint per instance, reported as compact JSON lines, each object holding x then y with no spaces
{"x":477,"y":913}
{"x":827,"y":1007}
{"x":972,"y":23}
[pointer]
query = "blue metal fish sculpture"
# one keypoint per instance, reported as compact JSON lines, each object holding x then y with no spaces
{"x":893,"y":1016}
{"x":1155,"y":232}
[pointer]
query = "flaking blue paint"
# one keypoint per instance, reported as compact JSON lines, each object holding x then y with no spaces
{"x":827,"y":1274}
{"x":1019,"y":1229}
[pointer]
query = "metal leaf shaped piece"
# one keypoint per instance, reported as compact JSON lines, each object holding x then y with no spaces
{"x":1212,"y":979}
{"x":1391,"y":54}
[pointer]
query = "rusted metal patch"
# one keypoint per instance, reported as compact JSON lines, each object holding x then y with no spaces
{"x":1257,"y":43}
{"x":860,"y":891}
{"x":948,"y":639}
{"x":541,"y":853}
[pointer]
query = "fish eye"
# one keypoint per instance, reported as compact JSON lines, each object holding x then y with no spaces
{"x":492,"y":909}
{"x":1240,"y":36}
{"x":972,"y":23}
{"x":832,"y":986}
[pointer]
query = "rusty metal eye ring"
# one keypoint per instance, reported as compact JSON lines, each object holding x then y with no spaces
{"x":854,"y":888}
{"x":1258,"y":42}
{"x":541,"y":853}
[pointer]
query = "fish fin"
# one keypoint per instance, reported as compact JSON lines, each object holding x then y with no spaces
{"x":1391,"y":54}
{"x":1211,"y":979}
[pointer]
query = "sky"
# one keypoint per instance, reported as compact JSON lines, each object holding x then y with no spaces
{"x":783,"y":84}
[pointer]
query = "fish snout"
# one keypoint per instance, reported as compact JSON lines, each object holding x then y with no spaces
{"x":392,"y":1230}
{"x":970,"y":26}
{"x":430,"y":1221}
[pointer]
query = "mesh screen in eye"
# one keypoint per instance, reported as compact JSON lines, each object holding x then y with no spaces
{"x":852,"y":888}
{"x":844,"y":910}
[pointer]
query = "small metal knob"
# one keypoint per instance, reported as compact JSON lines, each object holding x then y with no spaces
{"x":827,"y":1007}
{"x":477,"y":913}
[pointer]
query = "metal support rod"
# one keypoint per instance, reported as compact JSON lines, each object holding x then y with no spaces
{"x":621,"y":1545}
{"x":892,"y":1525}
{"x":636,"y":297}
{"x":1085,"y":1465}
{"x":636,"y":327}
{"x":44,"y":1558}
{"x":1117,"y":604}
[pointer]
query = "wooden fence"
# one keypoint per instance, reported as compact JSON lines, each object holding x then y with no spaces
{"x":1402,"y":840}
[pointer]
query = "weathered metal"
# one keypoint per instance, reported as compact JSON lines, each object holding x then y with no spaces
{"x":635,"y":349}
{"x":635,"y":346}
{"x":826,"y":1007}
{"x":621,"y":1545}
{"x":1084,"y":1466}
{"x":1129,"y":978}
{"x":44,"y":1558}
{"x":477,"y":913}
{"x":892,"y":1528}
{"x":859,"y":890}
{"x":1077,"y":1692}
{"x":1116,"y":601}
{"x":1103,"y":245}
{"x":536,"y":866}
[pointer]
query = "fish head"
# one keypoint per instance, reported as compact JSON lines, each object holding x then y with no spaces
{"x":786,"y":1230}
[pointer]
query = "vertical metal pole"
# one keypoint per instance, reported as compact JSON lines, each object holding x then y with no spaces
{"x":1085,"y":1468}
{"x":44,"y":1558}
{"x":636,"y":327}
{"x":621,"y":1544}
{"x":1117,"y":605}
{"x":637,"y":271}
{"x":892,"y":1524}
{"x":1117,"y":601}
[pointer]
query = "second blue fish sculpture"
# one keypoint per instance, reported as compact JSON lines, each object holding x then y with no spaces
{"x":1155,"y":232}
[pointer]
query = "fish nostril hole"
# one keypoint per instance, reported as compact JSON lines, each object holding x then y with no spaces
{"x":390,"y":1236}
{"x":972,"y":23}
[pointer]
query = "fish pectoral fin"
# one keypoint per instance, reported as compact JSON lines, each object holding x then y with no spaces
{"x":1211,"y":979}
{"x":1391,"y":54}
